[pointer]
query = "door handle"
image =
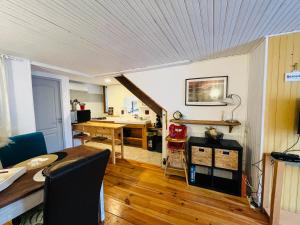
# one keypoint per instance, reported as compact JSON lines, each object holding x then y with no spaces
{"x":59,"y":120}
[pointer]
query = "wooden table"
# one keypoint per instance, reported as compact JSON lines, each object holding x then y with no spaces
{"x":25,"y":193}
{"x":114,"y":131}
{"x":137,"y":132}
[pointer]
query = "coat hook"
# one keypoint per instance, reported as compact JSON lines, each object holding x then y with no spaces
{"x":295,"y":66}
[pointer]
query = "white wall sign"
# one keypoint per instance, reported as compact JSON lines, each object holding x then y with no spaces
{"x":293,"y":76}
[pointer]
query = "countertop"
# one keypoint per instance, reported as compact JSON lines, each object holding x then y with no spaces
{"x":122,"y":120}
{"x":103,"y":125}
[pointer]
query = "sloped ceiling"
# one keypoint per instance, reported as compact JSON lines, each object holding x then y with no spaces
{"x":98,"y":36}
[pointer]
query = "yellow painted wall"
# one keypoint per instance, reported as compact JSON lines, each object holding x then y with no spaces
{"x":8,"y":223}
{"x":282,"y":107}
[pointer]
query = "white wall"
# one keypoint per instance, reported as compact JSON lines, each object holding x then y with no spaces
{"x":167,"y":87}
{"x":93,"y":102}
{"x":90,"y":88}
{"x":20,"y":96}
{"x":116,"y":95}
{"x":65,"y":97}
{"x":90,"y":94}
{"x":255,"y":111}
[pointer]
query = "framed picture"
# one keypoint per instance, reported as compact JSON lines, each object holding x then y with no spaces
{"x":206,"y":91}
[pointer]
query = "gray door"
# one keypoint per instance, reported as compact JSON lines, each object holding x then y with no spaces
{"x":47,"y":108}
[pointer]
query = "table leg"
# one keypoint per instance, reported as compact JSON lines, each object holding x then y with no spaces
{"x":276,"y":192}
{"x":102,"y":210}
{"x":144,"y":137}
{"x":122,"y":144}
{"x":113,"y":146}
{"x":267,"y":167}
{"x":183,"y":160}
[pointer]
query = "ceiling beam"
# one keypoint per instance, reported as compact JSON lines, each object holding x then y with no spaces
{"x":57,"y":68}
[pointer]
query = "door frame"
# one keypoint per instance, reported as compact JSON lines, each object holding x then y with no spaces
{"x":64,"y":101}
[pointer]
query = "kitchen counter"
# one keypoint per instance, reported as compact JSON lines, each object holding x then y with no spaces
{"x":122,"y":120}
{"x":135,"y":130}
{"x":113,"y":131}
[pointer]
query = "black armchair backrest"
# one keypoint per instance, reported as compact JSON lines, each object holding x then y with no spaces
{"x":72,"y":192}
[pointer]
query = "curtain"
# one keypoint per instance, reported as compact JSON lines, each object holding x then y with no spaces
{"x":5,"y":130}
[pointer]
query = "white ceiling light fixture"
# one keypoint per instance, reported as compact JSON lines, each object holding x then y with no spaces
{"x":107,"y":80}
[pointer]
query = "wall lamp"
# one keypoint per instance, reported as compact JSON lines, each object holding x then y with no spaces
{"x":233,"y":99}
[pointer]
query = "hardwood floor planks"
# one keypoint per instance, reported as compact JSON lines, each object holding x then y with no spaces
{"x":129,"y":213}
{"x":137,"y":193}
{"x":178,"y":199}
{"x":113,"y":219}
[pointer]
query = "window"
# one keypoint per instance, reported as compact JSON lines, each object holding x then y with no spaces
{"x":4,"y":111}
{"x":105,"y":100}
{"x":131,"y":104}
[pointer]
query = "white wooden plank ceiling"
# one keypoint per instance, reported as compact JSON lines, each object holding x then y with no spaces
{"x":103,"y":36}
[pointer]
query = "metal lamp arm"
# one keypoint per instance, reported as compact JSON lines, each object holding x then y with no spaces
{"x":238,"y":105}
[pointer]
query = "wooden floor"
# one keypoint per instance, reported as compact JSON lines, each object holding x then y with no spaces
{"x":138,"y":193}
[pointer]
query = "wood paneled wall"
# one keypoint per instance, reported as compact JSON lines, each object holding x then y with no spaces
{"x":282,"y":107}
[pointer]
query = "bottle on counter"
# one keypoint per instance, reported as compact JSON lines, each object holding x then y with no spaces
{"x":158,"y":122}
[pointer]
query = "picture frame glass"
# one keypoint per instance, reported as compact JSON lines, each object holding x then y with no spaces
{"x":206,"y":91}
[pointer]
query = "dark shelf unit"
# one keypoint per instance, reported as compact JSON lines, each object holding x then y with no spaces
{"x":211,"y":178}
{"x":156,"y":139}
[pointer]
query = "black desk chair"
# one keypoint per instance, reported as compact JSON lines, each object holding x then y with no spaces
{"x":71,"y":193}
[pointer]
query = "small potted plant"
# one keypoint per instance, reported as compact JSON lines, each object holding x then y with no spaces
{"x":212,"y":134}
{"x":82,"y":106}
{"x":74,"y":104}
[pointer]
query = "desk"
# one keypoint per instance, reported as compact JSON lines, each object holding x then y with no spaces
{"x":25,"y":193}
{"x":113,"y":130}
